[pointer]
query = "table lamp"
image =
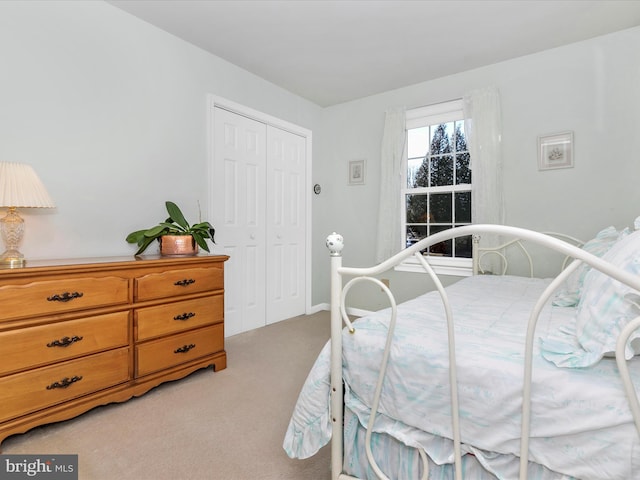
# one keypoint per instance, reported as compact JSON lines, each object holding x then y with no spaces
{"x":20,"y":187}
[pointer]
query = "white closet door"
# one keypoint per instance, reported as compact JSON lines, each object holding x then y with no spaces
{"x":286,"y":227}
{"x":239,"y":181}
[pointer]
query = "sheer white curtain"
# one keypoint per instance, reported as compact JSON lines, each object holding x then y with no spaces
{"x":483,"y":128}
{"x":391,"y":156}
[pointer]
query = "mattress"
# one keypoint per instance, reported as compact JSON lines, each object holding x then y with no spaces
{"x":581,"y":424}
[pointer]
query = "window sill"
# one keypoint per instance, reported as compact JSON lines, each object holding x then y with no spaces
{"x":458,"y":267}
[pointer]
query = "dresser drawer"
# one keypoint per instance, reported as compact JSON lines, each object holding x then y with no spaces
{"x":64,"y":295}
{"x":178,"y":282}
{"x":30,"y":391}
{"x":35,"y":346}
{"x":177,"y":316}
{"x":157,"y":355}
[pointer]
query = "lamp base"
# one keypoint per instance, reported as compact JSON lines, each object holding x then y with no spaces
{"x":11,"y":230}
{"x":12,"y":259}
{"x":12,"y":263}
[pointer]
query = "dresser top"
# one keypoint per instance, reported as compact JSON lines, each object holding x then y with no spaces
{"x":88,"y":263}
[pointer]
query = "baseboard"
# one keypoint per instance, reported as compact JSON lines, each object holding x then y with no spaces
{"x":356,"y":312}
{"x":318,"y":308}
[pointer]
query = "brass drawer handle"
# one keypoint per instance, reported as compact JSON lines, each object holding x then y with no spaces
{"x":64,"y":341}
{"x":184,"y":316}
{"x":64,"y":383}
{"x":185,"y":348}
{"x":185,"y":282}
{"x":65,"y":297}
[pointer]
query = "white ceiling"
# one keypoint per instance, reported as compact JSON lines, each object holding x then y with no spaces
{"x":335,"y":51}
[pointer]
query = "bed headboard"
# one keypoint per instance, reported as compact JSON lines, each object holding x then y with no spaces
{"x":497,"y":260}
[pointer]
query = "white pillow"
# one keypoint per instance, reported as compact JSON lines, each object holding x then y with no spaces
{"x":569,"y":296}
{"x":606,"y":305}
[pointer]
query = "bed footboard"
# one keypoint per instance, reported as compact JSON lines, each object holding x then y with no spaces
{"x":567,"y":247}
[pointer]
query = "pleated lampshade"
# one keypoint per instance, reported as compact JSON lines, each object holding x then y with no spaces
{"x":21,"y":187}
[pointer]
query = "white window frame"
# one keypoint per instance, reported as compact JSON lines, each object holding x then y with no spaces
{"x":417,"y":117}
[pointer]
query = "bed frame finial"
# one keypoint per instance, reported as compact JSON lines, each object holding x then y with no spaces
{"x":335,"y":243}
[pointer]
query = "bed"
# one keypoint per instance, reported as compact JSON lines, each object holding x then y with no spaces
{"x":495,"y":376}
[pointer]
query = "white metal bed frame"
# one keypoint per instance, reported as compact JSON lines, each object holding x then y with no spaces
{"x":516,"y":235}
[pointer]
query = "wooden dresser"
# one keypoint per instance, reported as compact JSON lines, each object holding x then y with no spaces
{"x":86,"y":332}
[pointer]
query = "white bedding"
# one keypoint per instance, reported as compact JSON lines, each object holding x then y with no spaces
{"x":581,"y":423}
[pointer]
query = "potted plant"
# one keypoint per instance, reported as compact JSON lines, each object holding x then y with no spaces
{"x":175,"y":235}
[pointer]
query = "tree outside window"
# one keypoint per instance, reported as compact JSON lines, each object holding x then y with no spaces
{"x":437,"y":193}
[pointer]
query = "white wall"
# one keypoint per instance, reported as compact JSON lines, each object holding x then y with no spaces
{"x":591,"y":88}
{"x":112,"y":114}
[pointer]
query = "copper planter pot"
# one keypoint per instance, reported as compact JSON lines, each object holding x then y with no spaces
{"x":178,"y":246}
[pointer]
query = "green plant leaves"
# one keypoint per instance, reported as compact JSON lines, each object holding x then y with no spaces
{"x":156,"y":231}
{"x":136,"y":237}
{"x":176,"y":224}
{"x":176,"y":215}
{"x":200,"y":240}
{"x":144,"y":244}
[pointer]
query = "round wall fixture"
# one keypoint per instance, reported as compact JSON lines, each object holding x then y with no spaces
{"x":317,"y":189}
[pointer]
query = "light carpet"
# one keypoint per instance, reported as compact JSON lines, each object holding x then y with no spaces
{"x":227,"y":425}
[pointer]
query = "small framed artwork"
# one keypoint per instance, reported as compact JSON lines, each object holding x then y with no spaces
{"x":356,"y":172}
{"x":555,"y":151}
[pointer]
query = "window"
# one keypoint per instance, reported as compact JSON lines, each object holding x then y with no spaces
{"x":436,"y":191}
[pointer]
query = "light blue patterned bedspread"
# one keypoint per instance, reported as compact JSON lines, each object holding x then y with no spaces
{"x":581,"y":422}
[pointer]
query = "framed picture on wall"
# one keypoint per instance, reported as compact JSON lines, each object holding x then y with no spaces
{"x":356,"y":172}
{"x":555,"y":151}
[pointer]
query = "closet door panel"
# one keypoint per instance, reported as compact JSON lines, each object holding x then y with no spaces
{"x":239,"y":180}
{"x":286,"y":231}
